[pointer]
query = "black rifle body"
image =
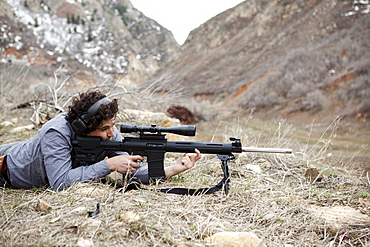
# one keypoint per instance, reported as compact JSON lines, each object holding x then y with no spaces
{"x":153,"y":145}
{"x":88,"y":150}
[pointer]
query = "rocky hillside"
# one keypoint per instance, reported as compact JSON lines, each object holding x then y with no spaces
{"x":90,"y":39}
{"x":299,"y":60}
{"x":292,"y":58}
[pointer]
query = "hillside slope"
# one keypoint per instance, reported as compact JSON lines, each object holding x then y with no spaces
{"x":89,"y":39}
{"x":298,"y":60}
{"x":306,"y":62}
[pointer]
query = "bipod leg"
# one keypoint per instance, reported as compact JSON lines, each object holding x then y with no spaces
{"x":225,"y":169}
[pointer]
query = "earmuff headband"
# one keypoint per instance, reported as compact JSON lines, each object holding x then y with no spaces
{"x":94,"y":109}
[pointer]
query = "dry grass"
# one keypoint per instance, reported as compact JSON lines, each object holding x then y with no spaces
{"x":274,"y":204}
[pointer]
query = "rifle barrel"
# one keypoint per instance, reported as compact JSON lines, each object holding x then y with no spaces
{"x":267,"y":150}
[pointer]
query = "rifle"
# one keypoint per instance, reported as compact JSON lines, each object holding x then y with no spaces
{"x":153,"y":145}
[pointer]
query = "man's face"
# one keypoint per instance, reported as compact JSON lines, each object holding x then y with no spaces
{"x":105,"y":130}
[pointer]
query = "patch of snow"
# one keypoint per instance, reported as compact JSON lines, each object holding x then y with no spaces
{"x":359,"y":6}
{"x":67,"y":38}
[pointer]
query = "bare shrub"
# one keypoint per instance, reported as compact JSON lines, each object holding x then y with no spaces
{"x":354,"y":90}
{"x":48,"y":97}
{"x":314,"y":100}
{"x":204,"y":110}
{"x":293,"y":79}
{"x":305,"y":70}
{"x":159,"y":94}
{"x":13,"y":84}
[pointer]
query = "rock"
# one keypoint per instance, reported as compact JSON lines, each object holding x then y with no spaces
{"x":129,"y":217}
{"x":338,"y":216}
{"x":42,"y":205}
{"x":6,"y":124}
{"x":114,"y":177}
{"x":120,"y":233}
{"x":253,"y":168}
{"x":81,"y":242}
{"x":23,"y":128}
{"x":234,"y":239}
{"x":31,"y":232}
{"x":183,"y":114}
{"x":79,"y":210}
{"x":91,"y":223}
{"x":313,"y":174}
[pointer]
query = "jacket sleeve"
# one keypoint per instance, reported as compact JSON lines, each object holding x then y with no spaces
{"x":56,"y":150}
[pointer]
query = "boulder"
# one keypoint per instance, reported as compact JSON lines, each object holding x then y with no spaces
{"x":340,"y":216}
{"x":234,"y":239}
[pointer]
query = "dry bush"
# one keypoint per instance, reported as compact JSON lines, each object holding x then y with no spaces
{"x":159,"y":94}
{"x":22,"y":88}
{"x":313,"y":68}
{"x":13,"y":84}
{"x":44,"y":98}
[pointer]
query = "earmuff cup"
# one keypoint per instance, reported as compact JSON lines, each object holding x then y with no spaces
{"x":79,"y":126}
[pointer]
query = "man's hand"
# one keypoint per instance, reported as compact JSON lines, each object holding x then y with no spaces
{"x":185,"y":162}
{"x":125,"y":164}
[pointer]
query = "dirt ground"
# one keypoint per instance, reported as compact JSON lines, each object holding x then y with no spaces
{"x":276,"y":204}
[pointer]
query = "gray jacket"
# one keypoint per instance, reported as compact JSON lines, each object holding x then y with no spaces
{"x":45,"y":159}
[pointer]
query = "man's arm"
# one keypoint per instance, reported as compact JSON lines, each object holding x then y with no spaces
{"x":56,"y":150}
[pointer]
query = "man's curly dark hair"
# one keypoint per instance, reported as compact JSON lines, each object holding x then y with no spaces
{"x":81,"y":104}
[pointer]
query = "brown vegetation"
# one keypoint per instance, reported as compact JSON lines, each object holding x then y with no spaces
{"x":276,"y":201}
{"x":301,"y":66}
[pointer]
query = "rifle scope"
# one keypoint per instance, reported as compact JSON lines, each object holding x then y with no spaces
{"x":185,"y":130}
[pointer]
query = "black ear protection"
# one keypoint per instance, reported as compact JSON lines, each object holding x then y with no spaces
{"x":79,"y":125}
